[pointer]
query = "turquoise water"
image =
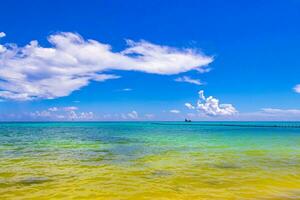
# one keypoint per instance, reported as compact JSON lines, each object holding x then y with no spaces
{"x":155,"y":160}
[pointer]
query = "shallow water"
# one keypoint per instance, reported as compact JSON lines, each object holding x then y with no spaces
{"x":150,"y":160}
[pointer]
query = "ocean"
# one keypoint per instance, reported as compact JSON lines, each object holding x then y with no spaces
{"x":150,"y":160}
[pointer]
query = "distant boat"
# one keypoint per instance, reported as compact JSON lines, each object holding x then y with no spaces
{"x":187,"y":120}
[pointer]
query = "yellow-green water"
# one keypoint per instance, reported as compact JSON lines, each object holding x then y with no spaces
{"x":149,"y":161}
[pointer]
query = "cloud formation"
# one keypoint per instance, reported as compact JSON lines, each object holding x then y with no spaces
{"x":276,"y":111}
{"x":71,"y":62}
{"x":175,"y":111}
{"x":70,"y":108}
{"x":189,"y":106}
{"x":127,"y":89}
{"x":211,"y":106}
{"x":131,"y":115}
{"x":2,"y":34}
{"x":188,"y":79}
{"x":297,"y":88}
{"x":53,"y":109}
{"x":61,"y":113}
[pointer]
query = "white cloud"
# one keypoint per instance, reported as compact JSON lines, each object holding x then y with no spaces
{"x":59,"y":113}
{"x":297,"y":88}
{"x":11,"y":95}
{"x":276,"y":111}
{"x":33,"y":71}
{"x":2,"y":48}
{"x":80,"y":116}
{"x":53,"y":109}
{"x":2,"y":34}
{"x":189,"y":106}
{"x":270,"y":114}
{"x":133,"y":115}
{"x":211,"y":106}
{"x":175,"y":111}
{"x":127,"y":89}
{"x":70,"y":108}
{"x":67,"y":108}
{"x":203,"y":70}
{"x":188,"y":80}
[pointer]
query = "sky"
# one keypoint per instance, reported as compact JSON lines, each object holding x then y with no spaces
{"x":149,"y":60}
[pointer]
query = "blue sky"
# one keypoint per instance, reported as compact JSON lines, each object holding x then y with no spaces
{"x":245,"y":54}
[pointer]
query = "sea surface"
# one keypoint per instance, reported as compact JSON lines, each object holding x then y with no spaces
{"x":150,"y":160}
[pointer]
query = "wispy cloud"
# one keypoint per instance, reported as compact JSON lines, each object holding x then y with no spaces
{"x":70,"y":108}
{"x":53,"y":109}
{"x":33,"y":71}
{"x":127,"y":89}
{"x":211,"y":106}
{"x":297,"y":88}
{"x":270,"y":114}
{"x":277,"y":111}
{"x":61,"y":113}
{"x":133,"y":115}
{"x":203,"y":70}
{"x":175,"y":111}
{"x":188,"y":79}
{"x":80,"y":115}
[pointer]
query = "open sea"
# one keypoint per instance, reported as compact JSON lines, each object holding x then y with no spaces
{"x":150,"y":160}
